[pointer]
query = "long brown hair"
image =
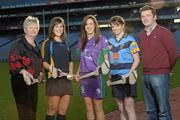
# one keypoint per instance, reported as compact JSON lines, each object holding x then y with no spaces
{"x":84,"y":39}
{"x":55,"y":21}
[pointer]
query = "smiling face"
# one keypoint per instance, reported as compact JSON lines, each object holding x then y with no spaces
{"x":58,"y":30}
{"x":31,"y":30}
{"x":148,"y":18}
{"x":90,"y":26}
{"x":117,"y":29}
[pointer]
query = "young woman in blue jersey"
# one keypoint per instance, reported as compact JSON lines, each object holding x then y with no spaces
{"x":57,"y":56}
{"x":124,"y":59}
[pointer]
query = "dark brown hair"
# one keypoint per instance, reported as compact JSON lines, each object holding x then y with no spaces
{"x":55,"y":21}
{"x":147,"y":7}
{"x":118,"y":20}
{"x":84,"y":39}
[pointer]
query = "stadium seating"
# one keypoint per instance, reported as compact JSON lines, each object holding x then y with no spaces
{"x":73,"y":40}
{"x":11,"y":20}
{"x":4,"y":52}
{"x":177,"y":38}
{"x":16,"y":3}
{"x":4,"y":40}
{"x":10,"y":40}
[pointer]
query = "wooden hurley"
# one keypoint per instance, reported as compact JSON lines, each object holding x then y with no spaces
{"x":93,"y":73}
{"x":131,"y":79}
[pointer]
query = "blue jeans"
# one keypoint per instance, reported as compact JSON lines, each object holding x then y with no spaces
{"x":156,"y":96}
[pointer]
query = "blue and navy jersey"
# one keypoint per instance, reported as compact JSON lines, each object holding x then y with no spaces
{"x":121,"y":54}
{"x":59,"y":52}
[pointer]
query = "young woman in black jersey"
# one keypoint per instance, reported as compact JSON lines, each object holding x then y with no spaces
{"x":57,"y":57}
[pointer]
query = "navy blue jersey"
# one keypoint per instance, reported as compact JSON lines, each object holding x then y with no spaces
{"x":59,"y":52}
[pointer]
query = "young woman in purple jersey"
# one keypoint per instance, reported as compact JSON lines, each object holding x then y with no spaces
{"x":90,"y":45}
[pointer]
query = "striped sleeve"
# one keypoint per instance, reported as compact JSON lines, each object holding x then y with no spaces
{"x":134,"y":47}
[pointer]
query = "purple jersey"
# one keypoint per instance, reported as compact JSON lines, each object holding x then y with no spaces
{"x":92,"y":86}
{"x":89,"y":57}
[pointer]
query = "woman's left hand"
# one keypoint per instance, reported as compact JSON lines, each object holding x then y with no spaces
{"x":108,"y":83}
{"x":40,"y":77}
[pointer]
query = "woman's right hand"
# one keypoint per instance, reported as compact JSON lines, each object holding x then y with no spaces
{"x":108,"y":83}
{"x":77,"y":77}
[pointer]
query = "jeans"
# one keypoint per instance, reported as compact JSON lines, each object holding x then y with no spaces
{"x":156,"y":96}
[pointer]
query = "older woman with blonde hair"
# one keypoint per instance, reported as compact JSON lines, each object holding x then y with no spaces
{"x":25,"y":68}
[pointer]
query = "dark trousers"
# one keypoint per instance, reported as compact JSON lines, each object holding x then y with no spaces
{"x":26,"y":98}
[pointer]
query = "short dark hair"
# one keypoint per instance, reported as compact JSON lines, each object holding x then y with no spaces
{"x":148,"y":7}
{"x":117,"y":20}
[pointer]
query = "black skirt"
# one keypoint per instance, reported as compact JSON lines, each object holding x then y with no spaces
{"x":59,"y":87}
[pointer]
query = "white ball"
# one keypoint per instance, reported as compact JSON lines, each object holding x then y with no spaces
{"x":69,"y":76}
